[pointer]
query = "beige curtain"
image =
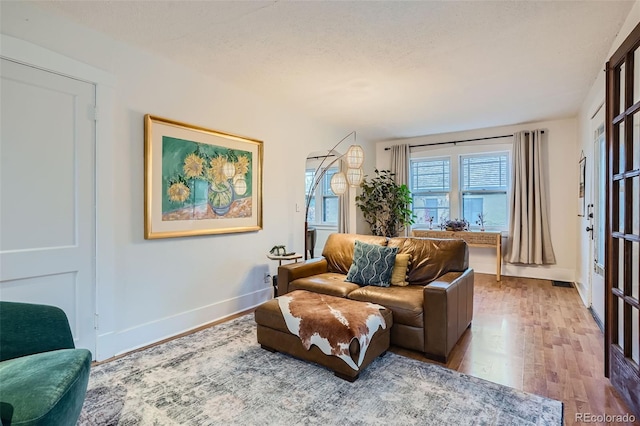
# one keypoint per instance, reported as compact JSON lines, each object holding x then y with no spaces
{"x":400,"y":163}
{"x":529,"y":229}
{"x":400,"y":156}
{"x":343,"y":204}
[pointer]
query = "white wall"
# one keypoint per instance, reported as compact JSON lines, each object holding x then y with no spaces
{"x":152,"y":289}
{"x":562,"y":173}
{"x":592,"y":102}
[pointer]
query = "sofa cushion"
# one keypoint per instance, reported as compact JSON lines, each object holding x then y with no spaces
{"x":338,"y":250}
{"x":327,"y":283}
{"x":405,"y":302}
{"x":44,"y":389}
{"x":431,"y":258}
{"x":372,"y":264}
{"x":399,"y":273}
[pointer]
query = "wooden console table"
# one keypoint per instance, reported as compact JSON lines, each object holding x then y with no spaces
{"x":473,"y":239}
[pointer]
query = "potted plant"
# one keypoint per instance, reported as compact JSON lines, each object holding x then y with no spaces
{"x":385,"y":205}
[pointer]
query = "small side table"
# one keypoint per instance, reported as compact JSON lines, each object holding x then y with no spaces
{"x":291,"y":257}
{"x":279,"y":258}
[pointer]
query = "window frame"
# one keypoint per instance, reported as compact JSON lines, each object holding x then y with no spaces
{"x":455,"y":153}
{"x":444,"y":192}
{"x":485,"y":191}
{"x":322,"y":194}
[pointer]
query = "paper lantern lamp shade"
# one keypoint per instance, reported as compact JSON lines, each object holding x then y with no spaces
{"x":355,"y":156}
{"x":338,"y":183}
{"x":354,"y":176}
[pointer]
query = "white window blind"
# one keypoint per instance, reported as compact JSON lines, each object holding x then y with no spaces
{"x":484,"y":172}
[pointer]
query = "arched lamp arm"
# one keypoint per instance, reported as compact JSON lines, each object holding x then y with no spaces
{"x":320,"y":172}
{"x":316,"y":182}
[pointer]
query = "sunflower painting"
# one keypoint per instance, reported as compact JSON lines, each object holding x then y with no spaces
{"x":202,"y":181}
{"x":199,"y":181}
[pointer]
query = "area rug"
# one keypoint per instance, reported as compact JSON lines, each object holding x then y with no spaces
{"x":221,"y":376}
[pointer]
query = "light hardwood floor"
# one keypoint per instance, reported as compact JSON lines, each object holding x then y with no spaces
{"x":535,"y":337}
{"x":531,"y":336}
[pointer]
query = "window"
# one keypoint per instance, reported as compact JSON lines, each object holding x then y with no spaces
{"x":323,"y":208}
{"x":329,"y":199}
{"x":484,"y":187}
{"x":430,"y":189}
{"x":308,"y":181}
{"x":464,"y":183}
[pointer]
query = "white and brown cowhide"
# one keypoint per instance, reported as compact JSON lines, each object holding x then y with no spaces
{"x":331,"y":323}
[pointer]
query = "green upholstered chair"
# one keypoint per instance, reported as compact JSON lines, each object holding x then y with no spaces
{"x":43,"y":379}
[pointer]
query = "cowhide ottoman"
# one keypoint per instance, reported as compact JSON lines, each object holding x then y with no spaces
{"x":341,"y":334}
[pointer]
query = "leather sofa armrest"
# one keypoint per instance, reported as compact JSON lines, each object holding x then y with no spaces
{"x":293,"y":271}
{"x":448,"y":311}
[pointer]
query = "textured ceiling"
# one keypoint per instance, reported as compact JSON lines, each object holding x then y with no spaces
{"x":387,"y":69}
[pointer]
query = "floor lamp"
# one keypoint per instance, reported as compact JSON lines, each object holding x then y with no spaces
{"x":339,"y":181}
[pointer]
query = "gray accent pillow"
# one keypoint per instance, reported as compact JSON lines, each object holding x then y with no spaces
{"x":372,"y":264}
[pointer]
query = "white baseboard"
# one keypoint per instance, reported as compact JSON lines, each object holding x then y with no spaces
{"x":582,"y":291}
{"x":111,"y":344}
{"x":484,"y":267}
{"x":541,"y":272}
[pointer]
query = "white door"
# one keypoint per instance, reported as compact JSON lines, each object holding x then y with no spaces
{"x":47,"y":194}
{"x":597,"y":216}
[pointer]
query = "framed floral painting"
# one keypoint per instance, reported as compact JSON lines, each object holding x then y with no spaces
{"x":199,"y":181}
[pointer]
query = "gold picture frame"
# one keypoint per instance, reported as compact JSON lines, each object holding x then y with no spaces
{"x":199,"y":181}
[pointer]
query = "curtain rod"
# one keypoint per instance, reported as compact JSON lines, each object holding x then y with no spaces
{"x":320,"y":156}
{"x":460,"y":141}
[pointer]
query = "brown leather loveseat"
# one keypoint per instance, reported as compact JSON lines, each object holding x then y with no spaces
{"x":429,"y":315}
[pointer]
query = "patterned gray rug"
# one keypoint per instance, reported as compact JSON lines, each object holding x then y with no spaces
{"x":221,"y":376}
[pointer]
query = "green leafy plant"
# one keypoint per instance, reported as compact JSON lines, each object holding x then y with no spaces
{"x":385,"y":205}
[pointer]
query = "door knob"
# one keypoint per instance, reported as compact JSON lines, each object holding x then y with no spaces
{"x":589,"y":229}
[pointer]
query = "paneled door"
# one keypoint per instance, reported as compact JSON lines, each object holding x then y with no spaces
{"x":622,"y":259}
{"x":47,"y":194}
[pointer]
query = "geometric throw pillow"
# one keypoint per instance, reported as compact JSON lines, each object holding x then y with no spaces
{"x":399,"y":272}
{"x":372,"y":264}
